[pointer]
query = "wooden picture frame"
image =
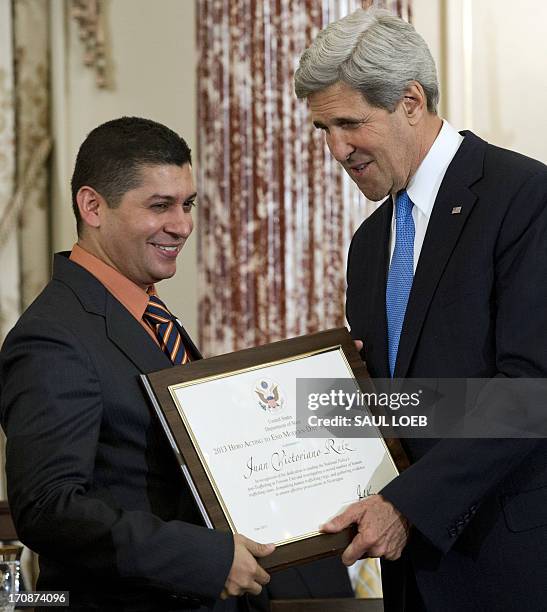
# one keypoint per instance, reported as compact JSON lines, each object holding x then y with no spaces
{"x":160,"y":387}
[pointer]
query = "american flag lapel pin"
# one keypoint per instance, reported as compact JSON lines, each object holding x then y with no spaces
{"x":456,"y":210}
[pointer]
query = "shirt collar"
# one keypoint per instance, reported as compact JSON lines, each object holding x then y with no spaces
{"x":424,"y":186}
{"x":125,"y":291}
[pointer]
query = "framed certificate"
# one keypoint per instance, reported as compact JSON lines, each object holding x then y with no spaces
{"x":234,"y":426}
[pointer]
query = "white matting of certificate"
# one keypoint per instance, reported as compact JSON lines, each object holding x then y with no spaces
{"x":272,"y":485}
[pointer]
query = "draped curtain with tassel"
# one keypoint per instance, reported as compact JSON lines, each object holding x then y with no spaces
{"x":276,"y":212}
{"x":24,"y":134}
{"x":24,"y":150}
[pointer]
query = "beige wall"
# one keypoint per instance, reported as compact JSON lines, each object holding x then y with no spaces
{"x":510,"y":74}
{"x":491,"y":55}
{"x":153,"y":54}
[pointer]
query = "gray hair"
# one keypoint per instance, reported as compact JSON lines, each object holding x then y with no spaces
{"x":372,"y":51}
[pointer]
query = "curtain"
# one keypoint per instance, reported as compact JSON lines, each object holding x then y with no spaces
{"x":276,"y":212}
{"x":33,"y":144}
{"x":24,"y":136}
{"x":9,"y":279}
{"x":24,"y":150}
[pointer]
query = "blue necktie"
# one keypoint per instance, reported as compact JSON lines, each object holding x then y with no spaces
{"x":401,"y":274}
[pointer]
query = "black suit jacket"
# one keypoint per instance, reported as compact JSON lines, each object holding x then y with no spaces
{"x":93,"y":485}
{"x":477,"y":309}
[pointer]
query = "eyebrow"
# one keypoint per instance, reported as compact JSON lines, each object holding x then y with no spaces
{"x":337,"y":121}
{"x":169,"y":198}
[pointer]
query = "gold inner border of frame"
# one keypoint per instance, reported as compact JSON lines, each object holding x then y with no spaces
{"x":173,"y":388}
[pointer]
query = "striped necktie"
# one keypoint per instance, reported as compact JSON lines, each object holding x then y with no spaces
{"x":165,"y":327}
{"x":368,"y":581}
{"x":401,"y":274}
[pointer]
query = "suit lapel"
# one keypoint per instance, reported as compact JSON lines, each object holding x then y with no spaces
{"x":442,"y":235}
{"x":121,"y":327}
{"x":378,"y":329}
{"x":131,"y":338}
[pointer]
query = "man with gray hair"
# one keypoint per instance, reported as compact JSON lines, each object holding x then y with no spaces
{"x":446,"y":279}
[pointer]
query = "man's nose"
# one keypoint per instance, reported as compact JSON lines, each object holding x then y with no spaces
{"x":339,"y":146}
{"x":180,"y":223}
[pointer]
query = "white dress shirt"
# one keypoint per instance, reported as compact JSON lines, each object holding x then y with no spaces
{"x":424,"y":185}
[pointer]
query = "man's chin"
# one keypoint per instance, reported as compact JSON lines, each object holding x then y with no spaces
{"x":372,"y":193}
{"x":163,"y":274}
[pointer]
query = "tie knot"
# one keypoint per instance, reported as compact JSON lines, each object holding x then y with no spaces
{"x":156,"y":311}
{"x":403,"y":205}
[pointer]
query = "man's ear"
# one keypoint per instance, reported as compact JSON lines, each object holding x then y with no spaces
{"x":89,"y":204}
{"x":414,"y":102}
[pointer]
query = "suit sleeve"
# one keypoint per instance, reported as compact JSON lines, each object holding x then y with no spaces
{"x":51,"y":409}
{"x":443,"y":490}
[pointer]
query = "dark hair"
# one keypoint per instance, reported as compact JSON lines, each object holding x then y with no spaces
{"x":112,"y":155}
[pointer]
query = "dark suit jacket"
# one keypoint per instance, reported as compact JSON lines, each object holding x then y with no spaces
{"x":93,"y":485}
{"x":477,"y":309}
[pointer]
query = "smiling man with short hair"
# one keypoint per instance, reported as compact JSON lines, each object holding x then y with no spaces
{"x":93,"y":485}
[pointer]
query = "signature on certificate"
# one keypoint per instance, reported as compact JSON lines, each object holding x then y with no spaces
{"x":364,"y":492}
